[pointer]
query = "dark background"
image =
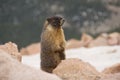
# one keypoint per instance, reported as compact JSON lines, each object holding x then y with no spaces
{"x":21,"y":21}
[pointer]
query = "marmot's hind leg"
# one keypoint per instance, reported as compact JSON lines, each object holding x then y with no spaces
{"x":47,"y":69}
{"x":62,"y":56}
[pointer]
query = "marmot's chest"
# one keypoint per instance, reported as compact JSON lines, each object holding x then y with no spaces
{"x":58,"y":37}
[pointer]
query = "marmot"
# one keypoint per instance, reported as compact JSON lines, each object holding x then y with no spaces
{"x":52,"y":43}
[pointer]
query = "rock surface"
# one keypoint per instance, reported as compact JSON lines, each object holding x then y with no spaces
{"x":73,"y":43}
{"x":114,"y":38}
{"x":86,"y":39}
{"x":113,"y":69}
{"x":111,"y":77}
{"x":75,"y":69}
{"x":31,"y":49}
{"x":11,"y":69}
{"x":101,"y":40}
{"x":11,"y":48}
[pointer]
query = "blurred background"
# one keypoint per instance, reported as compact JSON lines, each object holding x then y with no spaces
{"x":21,"y":21}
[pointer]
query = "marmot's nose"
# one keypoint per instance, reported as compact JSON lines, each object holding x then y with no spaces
{"x":62,"y":21}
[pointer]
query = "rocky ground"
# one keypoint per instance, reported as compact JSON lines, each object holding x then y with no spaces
{"x":86,"y":59}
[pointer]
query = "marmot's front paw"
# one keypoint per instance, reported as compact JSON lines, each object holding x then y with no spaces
{"x":59,"y":50}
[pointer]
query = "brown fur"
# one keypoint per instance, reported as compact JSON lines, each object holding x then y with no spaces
{"x":52,"y":46}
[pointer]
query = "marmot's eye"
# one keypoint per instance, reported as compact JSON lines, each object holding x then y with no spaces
{"x":60,"y":18}
{"x":53,"y":20}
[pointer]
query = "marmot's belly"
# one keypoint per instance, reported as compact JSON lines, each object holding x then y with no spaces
{"x":50,"y":60}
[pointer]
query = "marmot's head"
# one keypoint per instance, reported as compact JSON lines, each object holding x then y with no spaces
{"x":55,"y":21}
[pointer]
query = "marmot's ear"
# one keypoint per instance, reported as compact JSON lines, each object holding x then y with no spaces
{"x":48,"y":19}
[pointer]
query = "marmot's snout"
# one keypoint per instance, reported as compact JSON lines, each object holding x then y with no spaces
{"x":56,"y":21}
